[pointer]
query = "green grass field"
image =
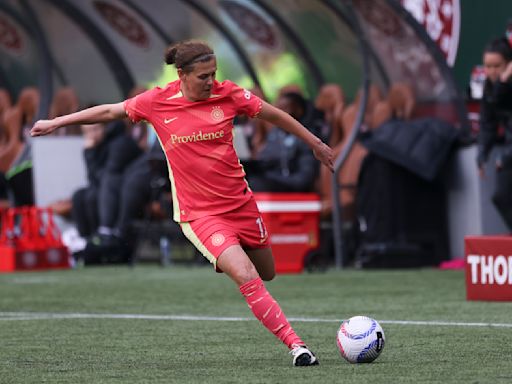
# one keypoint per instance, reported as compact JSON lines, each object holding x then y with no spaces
{"x":191,"y":325}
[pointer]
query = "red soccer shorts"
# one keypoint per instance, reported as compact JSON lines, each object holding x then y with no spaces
{"x":211,"y":235}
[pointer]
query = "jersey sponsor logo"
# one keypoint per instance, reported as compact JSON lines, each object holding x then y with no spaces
{"x":217,"y":114}
{"x":218,"y":239}
{"x":167,"y":121}
{"x":194,"y":137}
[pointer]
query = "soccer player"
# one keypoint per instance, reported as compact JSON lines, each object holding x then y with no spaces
{"x":214,"y":205}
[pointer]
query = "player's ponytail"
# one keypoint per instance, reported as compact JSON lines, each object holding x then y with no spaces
{"x":170,"y":54}
{"x":185,"y":54}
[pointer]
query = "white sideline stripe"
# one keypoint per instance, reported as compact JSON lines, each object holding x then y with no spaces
{"x":14,"y":316}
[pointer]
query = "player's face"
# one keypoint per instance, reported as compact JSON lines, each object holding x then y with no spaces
{"x":197,"y":84}
{"x":494,"y":65}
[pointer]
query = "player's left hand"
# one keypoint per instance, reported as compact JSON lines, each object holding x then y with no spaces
{"x":43,"y":127}
{"x":324,"y":154}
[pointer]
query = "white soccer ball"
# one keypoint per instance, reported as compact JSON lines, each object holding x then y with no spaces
{"x":360,"y":339}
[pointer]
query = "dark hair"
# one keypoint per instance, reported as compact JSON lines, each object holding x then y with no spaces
{"x":296,"y":99}
{"x":187,"y":53}
{"x":500,"y":46}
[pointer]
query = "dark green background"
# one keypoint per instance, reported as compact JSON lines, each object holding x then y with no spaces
{"x":481,"y":20}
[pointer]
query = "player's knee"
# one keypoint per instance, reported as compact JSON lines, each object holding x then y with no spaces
{"x":245,"y":274}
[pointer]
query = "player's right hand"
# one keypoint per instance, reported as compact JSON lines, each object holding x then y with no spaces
{"x":43,"y":127}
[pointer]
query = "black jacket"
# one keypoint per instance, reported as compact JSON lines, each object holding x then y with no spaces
{"x":286,"y":163}
{"x":495,"y":110}
{"x":421,"y":145}
{"x":112,"y":155}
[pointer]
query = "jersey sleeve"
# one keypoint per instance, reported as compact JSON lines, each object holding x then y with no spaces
{"x":139,"y":107}
{"x":246,"y":103}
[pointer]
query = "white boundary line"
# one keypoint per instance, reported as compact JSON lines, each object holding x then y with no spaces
{"x":17,"y":316}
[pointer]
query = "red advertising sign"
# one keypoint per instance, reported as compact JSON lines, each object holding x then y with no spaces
{"x":489,"y":268}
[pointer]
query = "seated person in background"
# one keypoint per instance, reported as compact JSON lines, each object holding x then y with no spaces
{"x":65,"y":101}
{"x":255,"y":130}
{"x":28,"y":102}
{"x":15,"y":150}
{"x":330,"y":101}
{"x":85,"y":200}
{"x":313,"y":118}
{"x":284,"y":163}
{"x":139,"y":131}
{"x":108,"y":153}
{"x":132,"y":190}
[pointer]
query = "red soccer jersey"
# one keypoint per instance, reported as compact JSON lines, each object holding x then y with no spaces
{"x":197,"y":137}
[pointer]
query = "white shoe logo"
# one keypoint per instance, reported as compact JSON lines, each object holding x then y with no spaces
{"x":167,"y":121}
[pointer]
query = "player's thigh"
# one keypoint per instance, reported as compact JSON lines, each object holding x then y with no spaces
{"x":263,"y":260}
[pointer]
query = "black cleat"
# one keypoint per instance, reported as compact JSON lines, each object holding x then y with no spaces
{"x":303,"y":357}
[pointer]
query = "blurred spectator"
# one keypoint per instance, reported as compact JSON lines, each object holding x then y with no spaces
{"x":119,"y":165}
{"x":138,"y":131}
{"x":85,"y":200}
{"x":496,"y":110}
{"x":15,"y":151}
{"x":284,"y":163}
{"x":108,"y":153}
{"x":5,"y":137}
{"x":290,"y":88}
{"x":331,"y":102}
{"x":313,"y":117}
{"x":5,"y":102}
{"x":65,"y":101}
{"x":401,"y":100}
{"x":256,"y":129}
{"x":374,"y":96}
{"x":342,"y":120}
{"x":28,"y":102}
{"x":4,"y":203}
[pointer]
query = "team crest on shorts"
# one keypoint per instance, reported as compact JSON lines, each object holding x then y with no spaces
{"x":218,"y":239}
{"x":217,"y":114}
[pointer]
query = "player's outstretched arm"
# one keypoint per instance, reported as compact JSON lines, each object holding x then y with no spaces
{"x":98,"y":114}
{"x":283,"y":120}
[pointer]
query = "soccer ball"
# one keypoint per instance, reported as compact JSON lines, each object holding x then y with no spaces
{"x":360,"y":339}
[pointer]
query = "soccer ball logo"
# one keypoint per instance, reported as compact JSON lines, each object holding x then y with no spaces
{"x":360,"y":339}
{"x":218,"y":239}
